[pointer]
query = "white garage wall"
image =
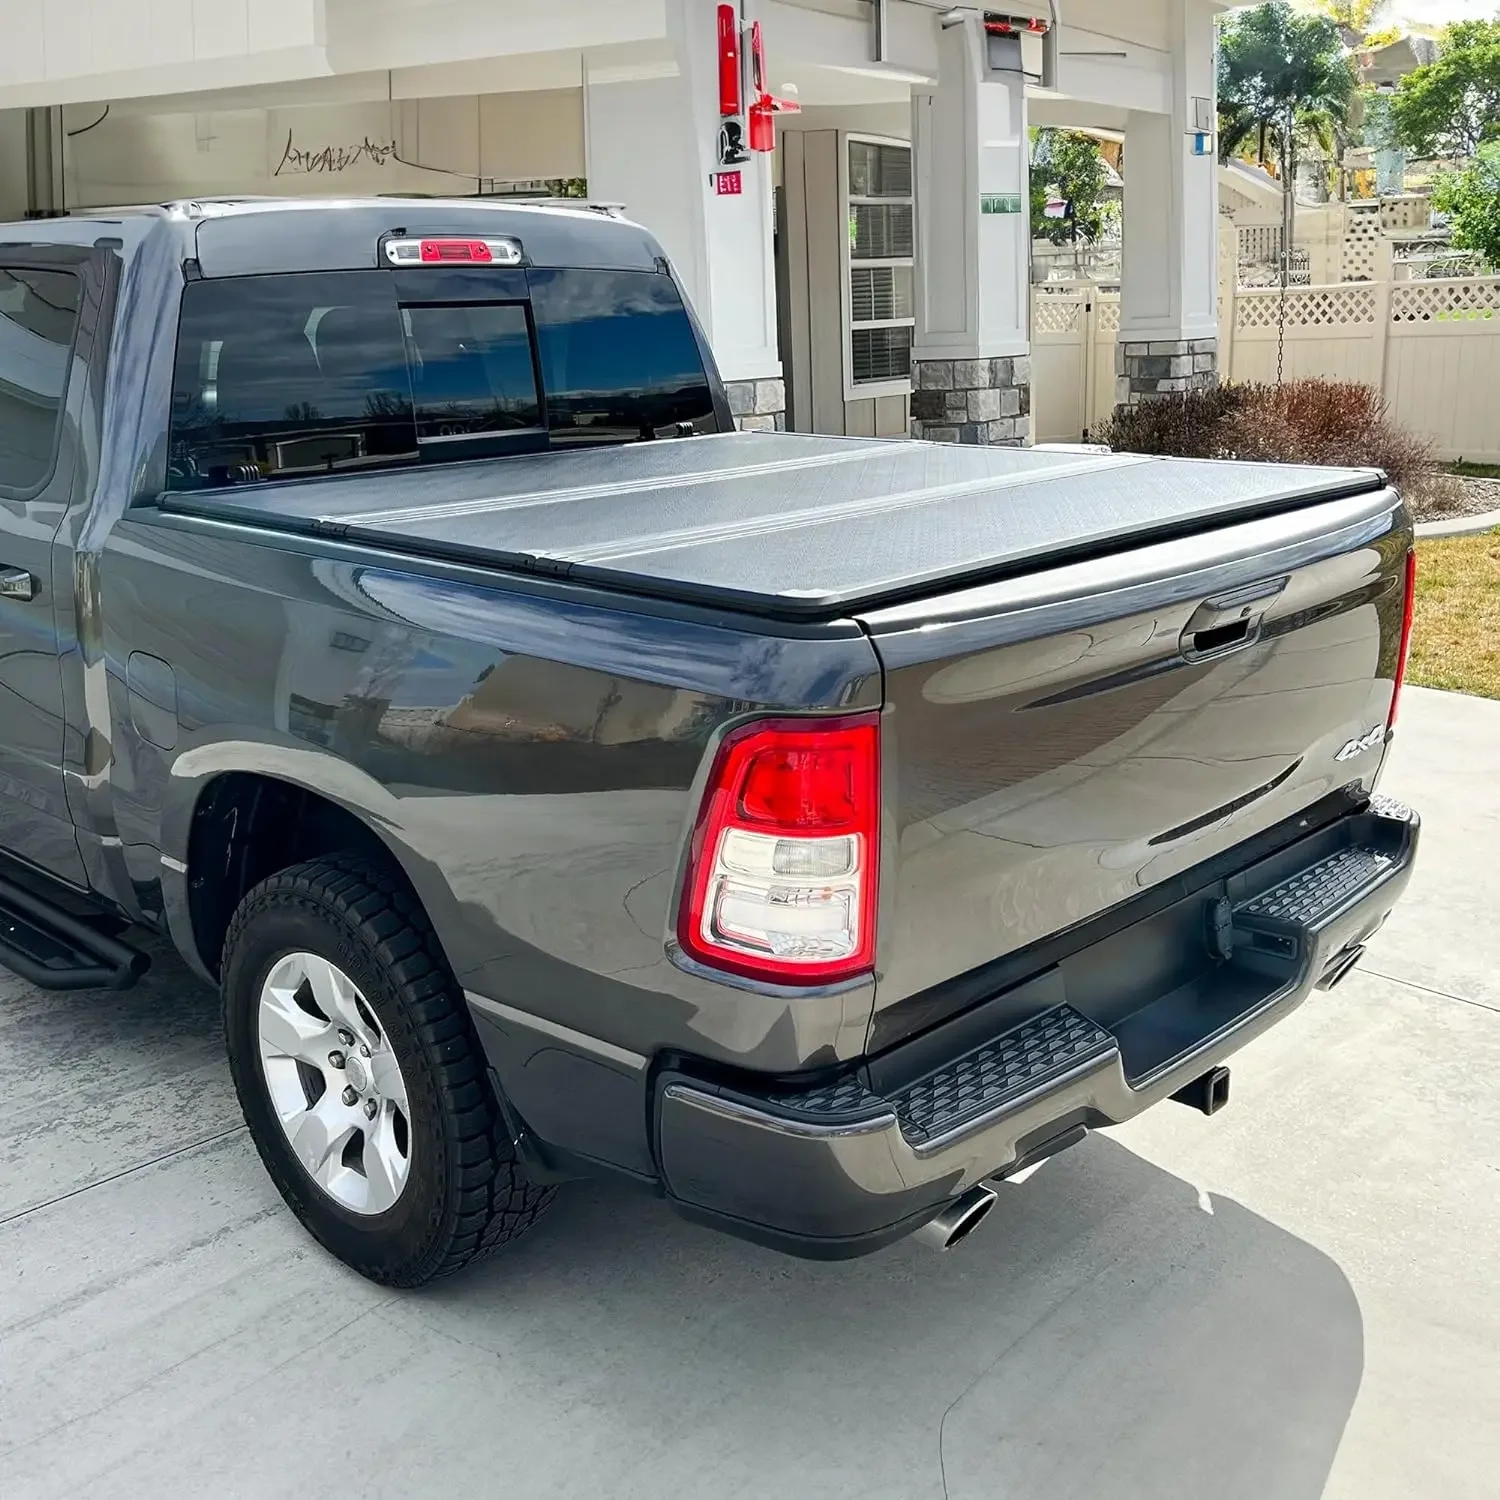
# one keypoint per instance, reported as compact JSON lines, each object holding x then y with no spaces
{"x":411,"y":146}
{"x":12,"y":164}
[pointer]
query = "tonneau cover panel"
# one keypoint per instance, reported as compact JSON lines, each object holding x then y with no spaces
{"x":786,"y":524}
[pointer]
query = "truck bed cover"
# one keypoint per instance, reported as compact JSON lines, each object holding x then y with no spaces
{"x":782,"y":525}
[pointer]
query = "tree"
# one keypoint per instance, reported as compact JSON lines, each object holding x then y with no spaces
{"x":1351,"y":16}
{"x":1471,"y":199}
{"x":1283,"y":80}
{"x":1451,"y":107}
{"x":1069,"y":161}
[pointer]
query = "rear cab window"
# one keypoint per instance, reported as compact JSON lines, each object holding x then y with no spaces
{"x":292,"y":375}
{"x":618,"y":355}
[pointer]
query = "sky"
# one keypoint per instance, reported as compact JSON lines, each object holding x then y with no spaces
{"x":1428,"y":14}
{"x":1440,"y":12}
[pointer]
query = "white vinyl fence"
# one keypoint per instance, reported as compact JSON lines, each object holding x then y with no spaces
{"x":1433,"y":348}
{"x":1073,"y":328}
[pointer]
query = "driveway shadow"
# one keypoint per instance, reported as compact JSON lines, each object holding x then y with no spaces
{"x":96,"y":1082}
{"x":1106,"y":1333}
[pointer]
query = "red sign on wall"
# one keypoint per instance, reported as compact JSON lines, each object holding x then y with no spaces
{"x":729,"y":184}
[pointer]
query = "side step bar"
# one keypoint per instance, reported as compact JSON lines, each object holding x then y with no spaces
{"x":55,"y":950}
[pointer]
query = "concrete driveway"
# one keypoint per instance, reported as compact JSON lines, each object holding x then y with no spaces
{"x":1298,"y":1297}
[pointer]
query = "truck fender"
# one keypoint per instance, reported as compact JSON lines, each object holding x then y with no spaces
{"x":252,"y":751}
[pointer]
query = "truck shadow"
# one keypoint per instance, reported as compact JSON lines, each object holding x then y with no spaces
{"x":1108,"y":1331}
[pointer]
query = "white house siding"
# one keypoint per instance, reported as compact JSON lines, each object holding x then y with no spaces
{"x":449,"y":145}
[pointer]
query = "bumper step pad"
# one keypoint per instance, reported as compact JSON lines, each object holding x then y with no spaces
{"x":1022,"y":1061}
{"x":982,"y":1082}
{"x":1311,"y":894}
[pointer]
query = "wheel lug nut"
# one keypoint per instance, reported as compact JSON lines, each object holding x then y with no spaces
{"x":371,"y":1109}
{"x":350,"y":1097}
{"x":346,"y":1037}
{"x":364,"y":1051}
{"x":336,"y":1059}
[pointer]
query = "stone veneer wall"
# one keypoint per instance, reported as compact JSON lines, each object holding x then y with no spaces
{"x":972,"y":400}
{"x":758,"y":405}
{"x":1164,"y":367}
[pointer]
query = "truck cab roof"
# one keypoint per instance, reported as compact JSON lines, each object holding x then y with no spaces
{"x":267,"y":236}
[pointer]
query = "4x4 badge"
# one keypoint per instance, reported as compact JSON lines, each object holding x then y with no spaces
{"x":1366,"y":741}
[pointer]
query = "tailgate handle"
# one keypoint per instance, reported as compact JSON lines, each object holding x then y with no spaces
{"x":1229,"y":621}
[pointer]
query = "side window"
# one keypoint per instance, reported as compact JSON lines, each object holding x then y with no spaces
{"x":38,"y":317}
{"x":472,"y":371}
{"x":285,"y":376}
{"x":619,"y":360}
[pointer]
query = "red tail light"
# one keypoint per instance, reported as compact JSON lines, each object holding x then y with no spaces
{"x":1406,"y":619}
{"x":781,"y":880}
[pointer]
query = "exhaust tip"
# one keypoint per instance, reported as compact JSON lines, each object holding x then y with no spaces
{"x":958,"y":1220}
{"x":1341,"y":967}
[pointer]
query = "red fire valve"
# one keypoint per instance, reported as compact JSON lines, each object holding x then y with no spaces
{"x":996,"y":24}
{"x":729,"y":61}
{"x":764,"y":106}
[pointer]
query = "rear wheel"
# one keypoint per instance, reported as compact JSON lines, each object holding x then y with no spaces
{"x":361,"y":1079}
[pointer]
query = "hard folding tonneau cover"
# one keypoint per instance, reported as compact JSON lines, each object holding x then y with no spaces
{"x":787,"y":525}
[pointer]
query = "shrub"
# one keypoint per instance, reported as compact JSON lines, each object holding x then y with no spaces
{"x":1302,"y":422}
{"x":1471,"y":199}
{"x":1178,"y":426}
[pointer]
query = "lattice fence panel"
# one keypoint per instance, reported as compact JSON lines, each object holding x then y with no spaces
{"x":1107,"y":315}
{"x":1471,"y":300}
{"x":1307,"y":307}
{"x":1054,"y":314}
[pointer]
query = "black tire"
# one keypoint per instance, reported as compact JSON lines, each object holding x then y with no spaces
{"x":466,"y":1193}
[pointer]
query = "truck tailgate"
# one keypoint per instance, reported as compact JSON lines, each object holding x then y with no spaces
{"x":1059,"y":743}
{"x":786,"y":525}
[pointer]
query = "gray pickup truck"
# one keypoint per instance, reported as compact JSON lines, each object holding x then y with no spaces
{"x":553,"y":781}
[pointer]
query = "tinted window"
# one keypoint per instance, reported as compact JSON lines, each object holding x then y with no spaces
{"x":289,"y":375}
{"x":619,"y":360}
{"x":283,"y":376}
{"x":38,"y":314}
{"x":471,"y":369}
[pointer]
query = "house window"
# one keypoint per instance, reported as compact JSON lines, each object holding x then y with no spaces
{"x":880,"y":260}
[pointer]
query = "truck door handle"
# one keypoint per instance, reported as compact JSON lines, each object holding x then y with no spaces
{"x":1229,"y":620}
{"x":16,"y":583}
{"x":1220,"y":637}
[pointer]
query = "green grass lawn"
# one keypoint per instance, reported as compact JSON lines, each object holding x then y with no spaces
{"x":1455,"y":640}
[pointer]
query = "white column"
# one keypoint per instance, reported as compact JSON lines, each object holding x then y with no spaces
{"x":651,"y":130}
{"x":969,"y":144}
{"x":1169,"y":283}
{"x":971,"y":345}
